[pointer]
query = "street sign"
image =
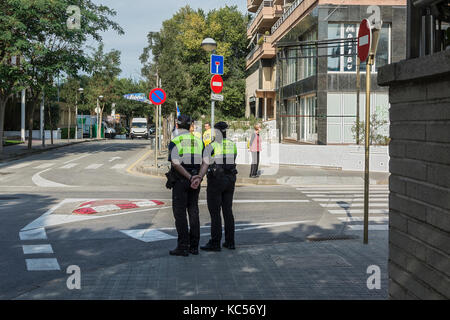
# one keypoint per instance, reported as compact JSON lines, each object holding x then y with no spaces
{"x":216,"y":97}
{"x":97,"y":110}
{"x":157,"y":96}
{"x":137,"y":97}
{"x":216,"y":83}
{"x":364,"y":40}
{"x":216,"y":64}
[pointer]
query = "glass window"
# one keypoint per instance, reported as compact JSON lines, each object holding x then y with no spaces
{"x":334,"y":51}
{"x":382,"y":57}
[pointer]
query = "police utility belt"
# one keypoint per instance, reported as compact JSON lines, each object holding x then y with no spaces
{"x":218,"y":170}
{"x":173,"y":176}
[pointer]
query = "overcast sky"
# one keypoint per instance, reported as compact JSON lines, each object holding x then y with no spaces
{"x":138,"y":17}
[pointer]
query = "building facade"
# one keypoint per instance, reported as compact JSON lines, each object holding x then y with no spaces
{"x":301,"y":69}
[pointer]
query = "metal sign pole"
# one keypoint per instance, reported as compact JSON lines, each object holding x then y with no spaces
{"x":358,"y":90}
{"x":367,"y":150}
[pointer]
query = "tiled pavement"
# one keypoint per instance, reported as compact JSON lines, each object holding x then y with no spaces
{"x":295,"y":270}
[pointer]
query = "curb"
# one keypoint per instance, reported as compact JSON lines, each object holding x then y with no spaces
{"x":17,"y":156}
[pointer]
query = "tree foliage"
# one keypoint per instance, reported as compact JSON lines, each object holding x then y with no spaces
{"x":175,"y":53}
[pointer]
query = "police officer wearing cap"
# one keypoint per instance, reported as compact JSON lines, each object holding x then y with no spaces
{"x":219,"y":161}
{"x":185,"y":155}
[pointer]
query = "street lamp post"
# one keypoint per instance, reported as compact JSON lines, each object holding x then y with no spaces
{"x":80,"y":90}
{"x":210,"y":45}
{"x":98,"y":112}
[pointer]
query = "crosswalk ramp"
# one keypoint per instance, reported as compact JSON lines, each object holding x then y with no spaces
{"x":346,"y":203}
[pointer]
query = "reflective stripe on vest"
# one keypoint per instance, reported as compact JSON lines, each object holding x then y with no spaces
{"x":227,"y":147}
{"x":188,"y":144}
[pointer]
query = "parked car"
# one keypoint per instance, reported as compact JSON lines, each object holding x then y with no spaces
{"x":110,"y":132}
{"x":151,"y":130}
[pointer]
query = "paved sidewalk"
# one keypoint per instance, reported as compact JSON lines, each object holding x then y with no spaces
{"x":286,"y":175}
{"x":21,"y":150}
{"x":295,"y":270}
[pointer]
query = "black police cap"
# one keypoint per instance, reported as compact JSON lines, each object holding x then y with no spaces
{"x":222,"y":126}
{"x":184,"y":119}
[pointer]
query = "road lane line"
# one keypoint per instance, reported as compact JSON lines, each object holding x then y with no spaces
{"x":34,"y":234}
{"x":119,"y":166}
{"x":359,"y":219}
{"x":41,"y":182}
{"x":358,"y":211}
{"x":348,"y":205}
{"x":44,"y":166}
{"x":20,"y":165}
{"x":42,"y":264}
{"x":37,"y":248}
{"x":348,"y":199}
{"x":373,"y":227}
{"x":94,"y":166}
{"x":69,"y":166}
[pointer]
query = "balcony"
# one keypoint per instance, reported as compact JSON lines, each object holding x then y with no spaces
{"x":264,"y":17}
{"x":292,"y":14}
{"x":253,"y":5}
{"x":263,"y":50}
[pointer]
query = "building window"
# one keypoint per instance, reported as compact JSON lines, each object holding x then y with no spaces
{"x":291,"y":66}
{"x":308,"y":122}
{"x":307,"y":63}
{"x":342,"y":58}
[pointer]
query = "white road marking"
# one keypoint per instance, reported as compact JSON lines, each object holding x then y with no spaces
{"x":119,"y":166}
{"x":83,"y":156}
{"x":337,"y":188}
{"x":151,"y":235}
{"x":349,"y":199}
{"x":44,"y":166}
{"x":41,"y":182}
{"x":359,"y":219}
{"x":37,"y":248}
{"x":94,"y":166}
{"x":42,"y":264}
{"x":35,"y":234}
{"x":114,"y":158}
{"x":270,"y":201}
{"x":348,"y":192}
{"x":69,"y":166}
{"x":347,"y":196}
{"x":358,"y":211}
{"x":374,"y":227}
{"x":348,"y":205}
{"x":20,"y":165}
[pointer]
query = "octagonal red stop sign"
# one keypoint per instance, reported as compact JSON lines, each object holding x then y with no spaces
{"x":217,"y":83}
{"x":364,"y":40}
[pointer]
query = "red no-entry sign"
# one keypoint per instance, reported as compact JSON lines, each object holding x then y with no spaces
{"x":364,"y":40}
{"x":216,"y":83}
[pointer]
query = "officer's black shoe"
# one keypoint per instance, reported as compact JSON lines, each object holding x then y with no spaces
{"x":230,"y":246}
{"x":193,"y":251}
{"x":210,"y":247}
{"x":179,"y":252}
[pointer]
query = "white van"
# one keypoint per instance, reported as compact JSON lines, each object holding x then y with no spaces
{"x":139,"y":128}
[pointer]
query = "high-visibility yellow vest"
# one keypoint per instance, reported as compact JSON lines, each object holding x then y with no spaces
{"x":224,"y":152}
{"x":188,"y":144}
{"x":207,"y":137}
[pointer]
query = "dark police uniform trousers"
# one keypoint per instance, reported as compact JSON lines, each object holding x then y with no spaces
{"x":184,"y":197}
{"x":219,"y":193}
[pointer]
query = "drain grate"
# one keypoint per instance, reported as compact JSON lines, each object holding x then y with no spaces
{"x":315,"y":238}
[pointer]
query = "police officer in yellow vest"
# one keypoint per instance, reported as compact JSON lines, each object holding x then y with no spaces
{"x":185,"y":154}
{"x":219,"y":161}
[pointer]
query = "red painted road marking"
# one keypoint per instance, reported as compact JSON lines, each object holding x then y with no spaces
{"x":97,"y":206}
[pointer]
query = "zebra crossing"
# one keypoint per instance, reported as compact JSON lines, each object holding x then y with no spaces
{"x":346,"y":203}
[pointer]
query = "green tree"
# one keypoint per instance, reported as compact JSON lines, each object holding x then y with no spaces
{"x":175,"y":53}
{"x":40,"y":35}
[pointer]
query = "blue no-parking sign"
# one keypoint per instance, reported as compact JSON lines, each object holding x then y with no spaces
{"x":157,"y":96}
{"x":216,"y":64}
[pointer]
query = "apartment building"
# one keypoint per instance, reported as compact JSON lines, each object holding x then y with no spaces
{"x":301,"y":69}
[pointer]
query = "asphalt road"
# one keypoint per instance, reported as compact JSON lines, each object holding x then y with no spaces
{"x":39,"y":231}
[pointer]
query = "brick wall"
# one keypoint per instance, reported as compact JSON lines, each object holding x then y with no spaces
{"x":419,"y":202}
